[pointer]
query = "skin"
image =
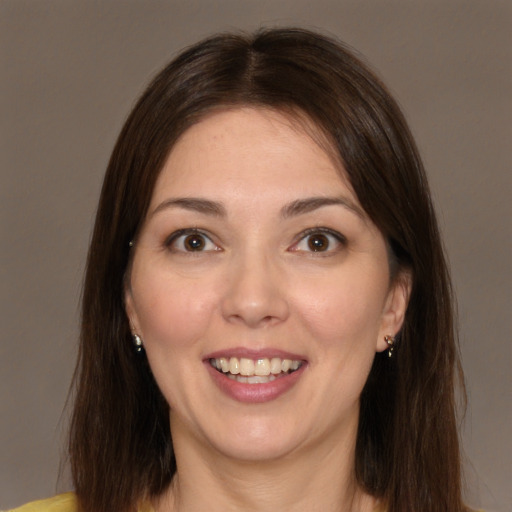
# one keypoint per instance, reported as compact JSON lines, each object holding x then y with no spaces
{"x":257,"y":284}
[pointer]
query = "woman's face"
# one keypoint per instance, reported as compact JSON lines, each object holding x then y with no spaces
{"x":260,"y":288}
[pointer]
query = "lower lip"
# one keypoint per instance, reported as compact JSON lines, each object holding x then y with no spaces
{"x":255,"y":393}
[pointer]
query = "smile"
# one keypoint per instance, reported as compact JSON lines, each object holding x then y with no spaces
{"x":255,"y":371}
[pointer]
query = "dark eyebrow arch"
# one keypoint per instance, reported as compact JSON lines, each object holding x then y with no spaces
{"x":192,"y":203}
{"x":310,"y":204}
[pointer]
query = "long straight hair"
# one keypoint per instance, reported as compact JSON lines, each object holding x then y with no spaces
{"x":407,"y":450}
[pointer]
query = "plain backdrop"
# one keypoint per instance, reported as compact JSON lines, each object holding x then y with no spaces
{"x":71,"y":70}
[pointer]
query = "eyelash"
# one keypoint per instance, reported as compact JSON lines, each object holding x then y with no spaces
{"x":339,"y":239}
{"x":172,"y":240}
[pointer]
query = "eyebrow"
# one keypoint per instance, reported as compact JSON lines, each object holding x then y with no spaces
{"x":310,"y":204}
{"x":295,"y":208}
{"x":196,"y":204}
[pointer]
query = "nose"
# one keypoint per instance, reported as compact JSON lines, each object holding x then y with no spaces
{"x":255,"y":293}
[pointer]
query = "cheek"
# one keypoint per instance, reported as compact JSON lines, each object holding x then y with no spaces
{"x":172,"y":315}
{"x":343,"y":310}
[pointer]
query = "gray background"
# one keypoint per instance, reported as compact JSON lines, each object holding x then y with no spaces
{"x":70,"y":71}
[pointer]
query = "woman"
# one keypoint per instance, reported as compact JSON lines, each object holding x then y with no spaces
{"x":267,"y":314}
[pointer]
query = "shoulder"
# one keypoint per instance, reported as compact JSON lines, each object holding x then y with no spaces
{"x":60,"y":503}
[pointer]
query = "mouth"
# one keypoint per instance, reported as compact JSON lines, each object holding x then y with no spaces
{"x":255,"y":371}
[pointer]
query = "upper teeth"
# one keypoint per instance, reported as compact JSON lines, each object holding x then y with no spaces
{"x":248,"y":367}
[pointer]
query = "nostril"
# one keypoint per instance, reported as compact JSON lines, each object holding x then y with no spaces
{"x":254,"y":294}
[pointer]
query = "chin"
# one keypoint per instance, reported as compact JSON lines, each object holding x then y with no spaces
{"x":258,"y":442}
{"x":256,"y":452}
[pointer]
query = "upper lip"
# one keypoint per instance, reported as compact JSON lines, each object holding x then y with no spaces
{"x":254,"y":354}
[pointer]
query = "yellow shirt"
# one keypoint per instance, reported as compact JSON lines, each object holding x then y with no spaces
{"x":68,"y":503}
{"x":60,"y":503}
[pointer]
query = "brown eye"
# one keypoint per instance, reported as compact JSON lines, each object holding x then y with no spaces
{"x":318,"y":242}
{"x":190,"y":240}
{"x":194,"y":242}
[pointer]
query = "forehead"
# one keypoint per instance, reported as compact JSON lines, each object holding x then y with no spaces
{"x":255,"y":149}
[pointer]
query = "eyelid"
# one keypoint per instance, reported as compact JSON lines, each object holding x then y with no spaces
{"x":340,"y":238}
{"x":173,"y":237}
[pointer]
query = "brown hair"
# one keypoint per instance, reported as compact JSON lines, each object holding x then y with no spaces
{"x":407,"y":448}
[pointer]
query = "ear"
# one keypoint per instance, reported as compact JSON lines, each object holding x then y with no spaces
{"x":395,"y":307}
{"x":129,"y":307}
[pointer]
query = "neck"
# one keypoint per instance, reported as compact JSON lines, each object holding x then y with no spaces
{"x":319,"y":477}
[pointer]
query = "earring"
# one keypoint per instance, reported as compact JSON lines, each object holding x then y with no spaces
{"x":390,"y":340}
{"x":139,"y":345}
